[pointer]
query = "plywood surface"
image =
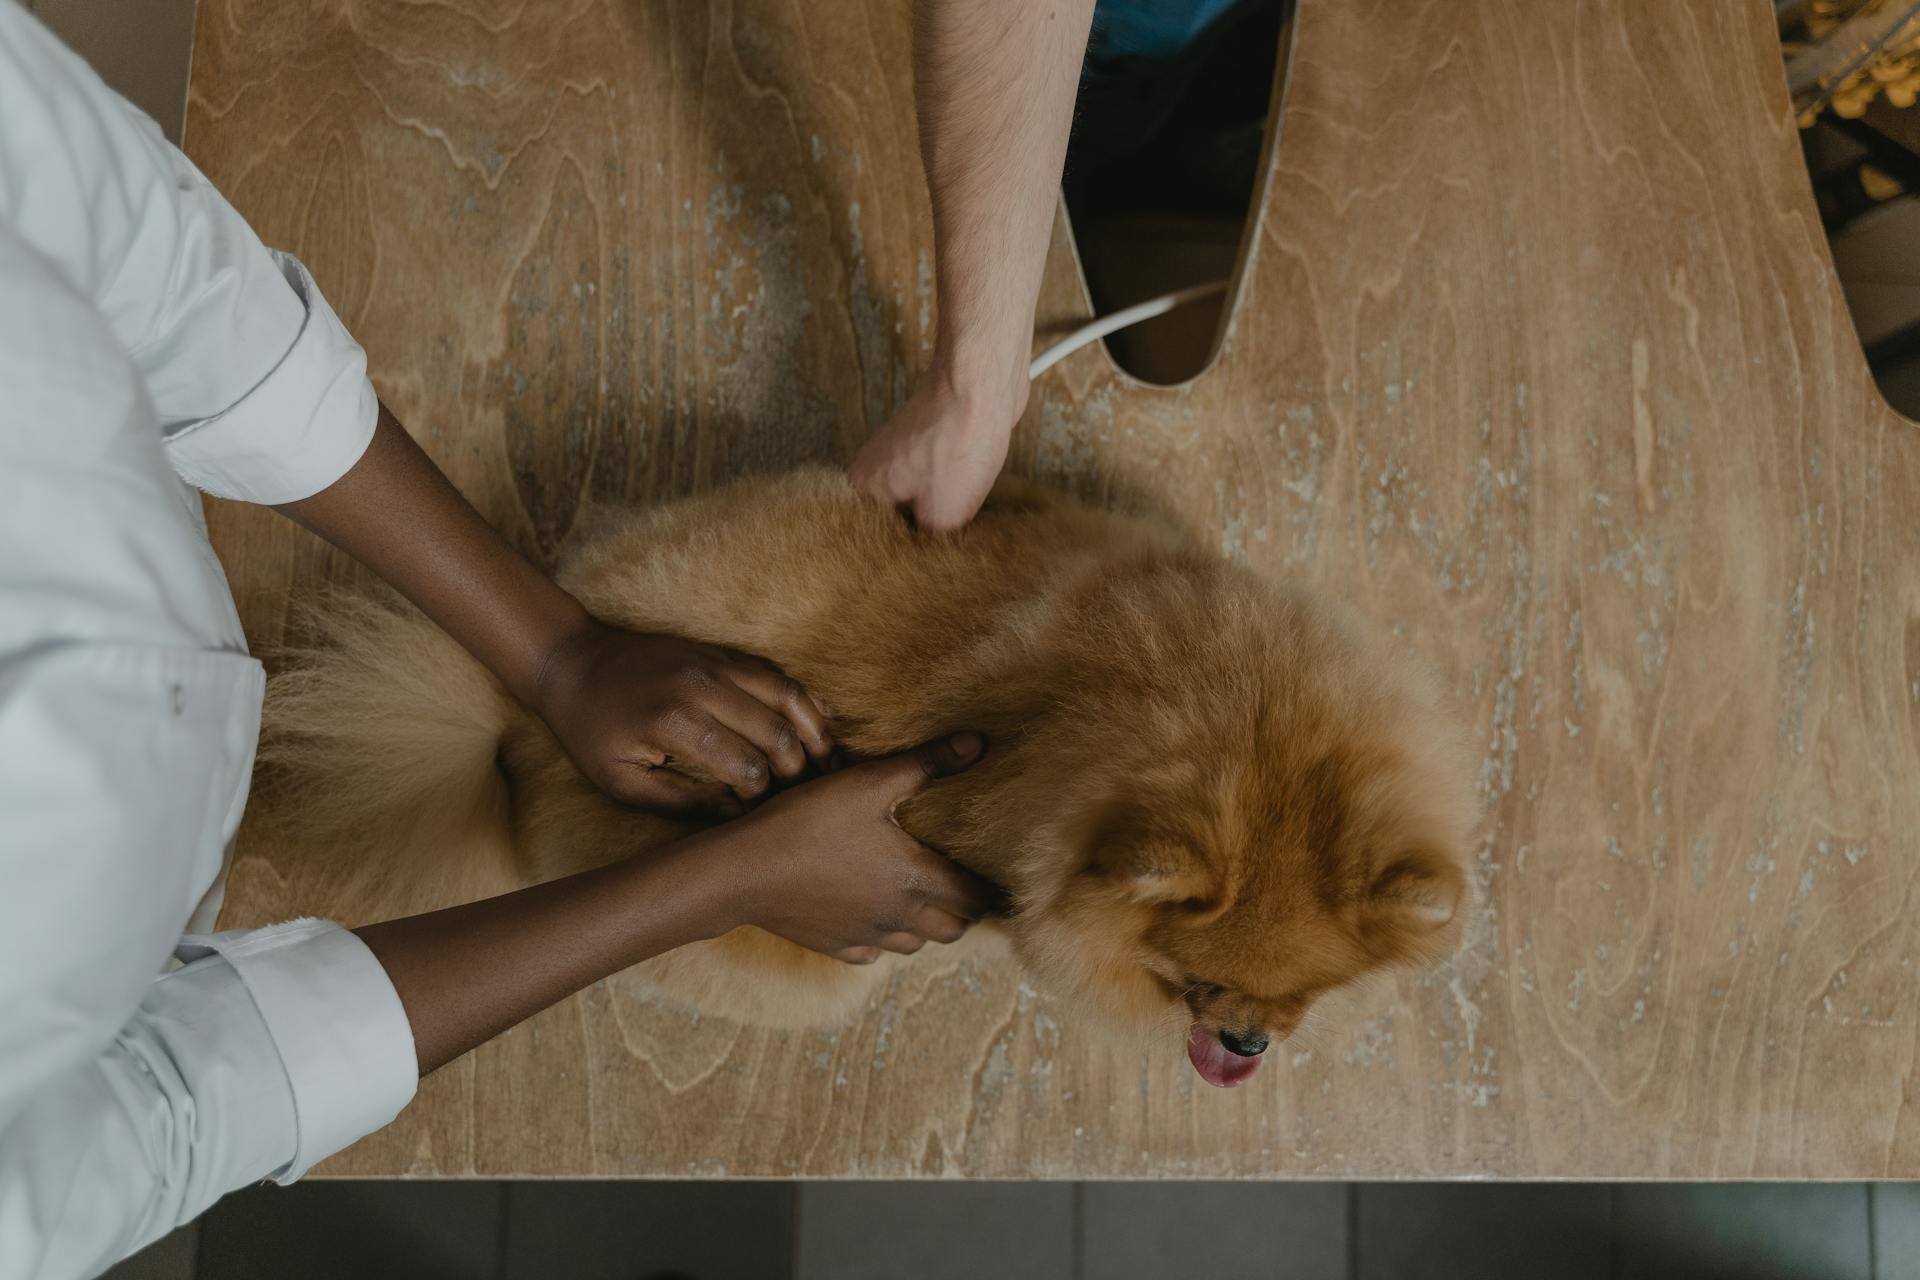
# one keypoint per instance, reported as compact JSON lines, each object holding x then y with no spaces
{"x":1537,"y":355}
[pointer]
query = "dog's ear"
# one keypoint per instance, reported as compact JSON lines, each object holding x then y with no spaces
{"x":1132,"y":852}
{"x":1412,"y":900}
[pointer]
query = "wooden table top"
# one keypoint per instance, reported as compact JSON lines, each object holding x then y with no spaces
{"x":1536,"y":353}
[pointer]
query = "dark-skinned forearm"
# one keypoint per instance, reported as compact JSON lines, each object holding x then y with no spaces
{"x":823,"y":865}
{"x":394,"y":512}
{"x":468,"y":973}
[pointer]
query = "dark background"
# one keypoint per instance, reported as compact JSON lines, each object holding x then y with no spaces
{"x":1047,"y":1231}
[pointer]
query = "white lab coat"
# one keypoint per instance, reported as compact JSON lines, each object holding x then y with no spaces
{"x":147,"y":338}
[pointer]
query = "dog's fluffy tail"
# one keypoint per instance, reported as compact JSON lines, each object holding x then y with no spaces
{"x":379,"y":751}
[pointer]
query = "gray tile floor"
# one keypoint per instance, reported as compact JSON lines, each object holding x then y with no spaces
{"x":1047,"y":1231}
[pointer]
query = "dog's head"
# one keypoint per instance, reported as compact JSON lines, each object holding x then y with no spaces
{"x":1256,"y":805}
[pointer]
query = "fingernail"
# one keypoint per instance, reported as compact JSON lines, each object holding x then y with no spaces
{"x":967,"y":745}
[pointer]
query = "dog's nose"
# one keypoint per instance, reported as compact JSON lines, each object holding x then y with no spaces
{"x":1250,"y":1045}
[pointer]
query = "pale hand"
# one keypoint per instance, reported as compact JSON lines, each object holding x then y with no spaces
{"x":937,"y":458}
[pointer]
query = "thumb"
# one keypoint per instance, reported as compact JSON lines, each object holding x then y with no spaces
{"x":907,"y":772}
{"x":933,"y":515}
{"x":673,"y":794}
{"x":874,"y":472}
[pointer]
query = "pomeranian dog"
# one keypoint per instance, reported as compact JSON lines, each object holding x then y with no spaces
{"x":1204,"y":789}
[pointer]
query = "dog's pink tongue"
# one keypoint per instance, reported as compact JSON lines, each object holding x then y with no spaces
{"x":1216,"y":1066}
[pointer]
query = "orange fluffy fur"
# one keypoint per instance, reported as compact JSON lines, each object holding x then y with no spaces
{"x":1203,"y":788}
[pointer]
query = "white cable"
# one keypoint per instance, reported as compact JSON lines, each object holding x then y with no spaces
{"x":1105,"y":325}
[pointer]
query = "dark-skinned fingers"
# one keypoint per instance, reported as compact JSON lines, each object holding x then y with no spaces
{"x":950,"y":887}
{"x":669,"y":792}
{"x":898,"y":777}
{"x":694,"y":735}
{"x":858,"y":955}
{"x":902,"y":943}
{"x":936,"y":925}
{"x":773,"y":688}
{"x":771,"y":733}
{"x":755,"y":660}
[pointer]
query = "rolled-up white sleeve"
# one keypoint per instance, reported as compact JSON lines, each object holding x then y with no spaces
{"x":261,"y":393}
{"x":300,"y":429}
{"x":343,"y":1038}
{"x":143,"y":328}
{"x":269,"y":1050}
{"x":132,"y":1097}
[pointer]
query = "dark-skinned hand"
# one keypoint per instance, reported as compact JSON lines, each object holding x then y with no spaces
{"x":627,"y":705}
{"x":825,"y":865}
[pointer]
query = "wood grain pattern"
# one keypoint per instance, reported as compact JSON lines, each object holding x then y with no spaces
{"x":1536,"y":353}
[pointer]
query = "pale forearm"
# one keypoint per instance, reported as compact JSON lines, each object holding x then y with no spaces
{"x":995,"y":82}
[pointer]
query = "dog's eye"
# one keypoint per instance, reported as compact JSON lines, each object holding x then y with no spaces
{"x":1195,"y":906}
